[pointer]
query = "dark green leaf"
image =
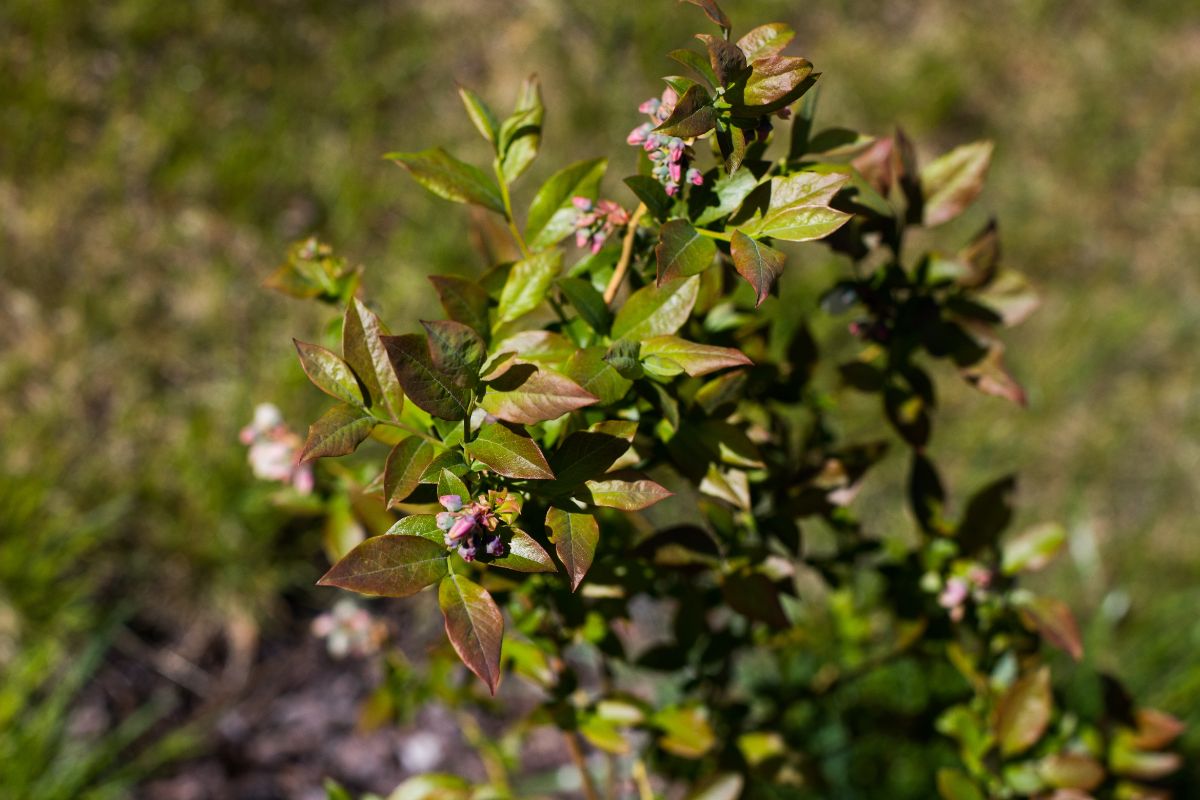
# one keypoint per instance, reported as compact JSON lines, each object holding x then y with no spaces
{"x":652,"y":194}
{"x":758,"y":264}
{"x":625,"y":357}
{"x":723,"y":198}
{"x":527,"y":284}
{"x":524,"y":554}
{"x":588,"y":302}
{"x":527,"y":395}
{"x":474,"y":626}
{"x":510,"y":453}
{"x":693,"y":115}
{"x":446,"y":176}
{"x":681,"y":251}
{"x":389,"y":566}
{"x":988,"y":514}
{"x":329,"y":373}
{"x":575,"y":537}
{"x":754,"y":596}
{"x":733,"y":141}
{"x":440,"y":394}
{"x":405,"y":465}
{"x":697,"y":63}
{"x":464,"y":301}
{"x":338,"y":432}
{"x":552,"y":215}
{"x":954,"y":784}
{"x":656,"y":310}
{"x":364,"y":352}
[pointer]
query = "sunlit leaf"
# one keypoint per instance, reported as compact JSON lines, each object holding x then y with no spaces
{"x":1023,"y":712}
{"x":329,"y":373}
{"x":527,"y":284}
{"x":685,"y":732}
{"x":482,"y":117}
{"x":951,"y":182}
{"x":520,"y":135}
{"x":552,"y":214}
{"x":524,"y":554}
{"x":693,"y":115}
{"x":695,"y":359}
{"x":726,"y":786}
{"x":759,"y":264}
{"x":474,"y":626}
{"x":656,"y":310}
{"x":389,"y":566}
{"x":527,"y":395}
{"x":363,"y":350}
{"x":627,"y":495}
{"x":1034,"y":548}
{"x":447,"y":177}
{"x":1054,"y":621}
{"x":765,"y":40}
{"x":575,"y":536}
{"x":510,"y":452}
{"x":338,"y":432}
{"x":681,"y":251}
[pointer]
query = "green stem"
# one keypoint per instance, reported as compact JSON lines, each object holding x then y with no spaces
{"x":506,"y":198}
{"x":724,"y":237}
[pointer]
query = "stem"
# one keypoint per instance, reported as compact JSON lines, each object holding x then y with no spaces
{"x":508,"y":212}
{"x":614,"y":283}
{"x":724,"y":237}
{"x":589,"y":788}
{"x":645,"y":792}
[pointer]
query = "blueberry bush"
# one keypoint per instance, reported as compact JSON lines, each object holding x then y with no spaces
{"x":622,"y":465}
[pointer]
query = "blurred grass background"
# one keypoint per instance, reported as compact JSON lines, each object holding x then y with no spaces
{"x":156,"y":158}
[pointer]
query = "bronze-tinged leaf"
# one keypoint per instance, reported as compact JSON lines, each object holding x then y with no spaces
{"x":1071,"y":771}
{"x":527,"y":395}
{"x":1156,"y":729}
{"x":456,"y":350}
{"x":624,"y":491}
{"x":510,"y":452}
{"x":338,"y":432}
{"x":693,"y":115}
{"x":363,"y":350}
{"x":1023,"y":712}
{"x":765,"y":40}
{"x":990,"y":375}
{"x":775,"y":78}
{"x":758,"y":264}
{"x":1034,"y":548}
{"x":464,"y":301}
{"x":681,"y":251}
{"x":1011,"y":296}
{"x":695,"y":359}
{"x":329,"y":373}
{"x":712,"y":11}
{"x":575,"y":536}
{"x":524,"y":554}
{"x":951,"y":182}
{"x":589,"y":369}
{"x":389,"y":566}
{"x":423,"y":525}
{"x":404,"y":467}
{"x":806,"y":189}
{"x":799,"y":223}
{"x":727,"y":60}
{"x":656,"y":310}
{"x":447,"y":177}
{"x":442,"y":395}
{"x":1054,"y":621}
{"x":474,"y":626}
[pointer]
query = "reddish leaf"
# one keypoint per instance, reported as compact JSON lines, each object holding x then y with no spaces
{"x":1023,"y":712}
{"x":363,"y":350}
{"x":524,"y":554}
{"x":405,"y":465}
{"x":464,"y":301}
{"x":758,"y":264}
{"x":1054,"y":621}
{"x":474,"y":626}
{"x":338,"y":432}
{"x":952,"y":182}
{"x":774,"y":78}
{"x":510,"y":452}
{"x":695,"y":359}
{"x":727,"y":60}
{"x":389,"y":566}
{"x":1156,"y":729}
{"x":693,"y":115}
{"x":712,"y":11}
{"x":765,"y":40}
{"x":329,"y":373}
{"x":527,"y":395}
{"x":440,"y":394}
{"x":575,"y":537}
{"x":681,"y":251}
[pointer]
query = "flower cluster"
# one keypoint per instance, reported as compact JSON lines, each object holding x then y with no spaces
{"x":275,"y":450}
{"x":349,"y":630}
{"x":974,"y":583}
{"x":669,"y":154}
{"x":471,"y":526}
{"x":596,"y":222}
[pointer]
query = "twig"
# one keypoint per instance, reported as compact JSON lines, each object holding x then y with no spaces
{"x":614,"y":284}
{"x":645,"y":792}
{"x":589,"y":788}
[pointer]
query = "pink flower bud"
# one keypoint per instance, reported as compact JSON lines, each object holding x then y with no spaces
{"x":451,"y":502}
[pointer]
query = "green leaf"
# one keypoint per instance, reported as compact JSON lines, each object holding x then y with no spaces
{"x":625,"y":357}
{"x":510,"y":453}
{"x":765,"y":40}
{"x":464,"y":301}
{"x":595,"y":375}
{"x":404,"y":467}
{"x":445,"y":460}
{"x":652,"y":194}
{"x":954,"y":784}
{"x":693,"y":115}
{"x":389,"y":566}
{"x":627,"y":495}
{"x":732,"y":486}
{"x":720,"y":196}
{"x":440,"y":394}
{"x":695,"y":359}
{"x":1023,"y":712}
{"x":1011,"y":296}
{"x":521,"y":134}
{"x":474,"y":626}
{"x":423,"y":525}
{"x":733,"y":141}
{"x":681,"y":251}
{"x":697,"y":63}
{"x":758,"y":264}
{"x":364,"y":352}
{"x":527,"y":284}
{"x":603,"y":735}
{"x":329,"y":373}
{"x":588,"y":302}
{"x":656,"y":310}
{"x":524,"y":554}
{"x":775,"y":78}
{"x":584,"y":455}
{"x":544,"y":348}
{"x":449,"y":178}
{"x":725,"y":786}
{"x":797,"y":223}
{"x":951,"y":182}
{"x":456,"y":350}
{"x":575,"y":537}
{"x":432,"y":786}
{"x":338,"y":432}
{"x":552,"y":215}
{"x":1034,"y":548}
{"x":686,"y":732}
{"x":481,"y":116}
{"x":527,"y":395}
{"x":449,"y":483}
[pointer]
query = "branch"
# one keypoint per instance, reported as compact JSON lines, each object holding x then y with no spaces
{"x":614,"y":283}
{"x":589,"y":788}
